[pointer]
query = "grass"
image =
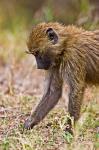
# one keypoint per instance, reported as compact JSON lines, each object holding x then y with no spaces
{"x":49,"y":134}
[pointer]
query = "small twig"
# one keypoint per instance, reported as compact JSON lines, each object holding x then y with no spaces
{"x":28,"y":52}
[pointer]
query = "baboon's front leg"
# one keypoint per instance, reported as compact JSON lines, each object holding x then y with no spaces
{"x":75,"y":101}
{"x":74,"y":106}
{"x":49,"y":100}
{"x":76,"y":92}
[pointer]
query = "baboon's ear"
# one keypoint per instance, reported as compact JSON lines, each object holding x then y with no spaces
{"x":52,"y":35}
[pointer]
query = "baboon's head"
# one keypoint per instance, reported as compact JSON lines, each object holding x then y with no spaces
{"x":45,"y":44}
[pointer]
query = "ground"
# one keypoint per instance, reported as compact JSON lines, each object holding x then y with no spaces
{"x":21,"y":88}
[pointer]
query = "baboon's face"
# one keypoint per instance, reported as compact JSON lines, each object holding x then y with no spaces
{"x":44,"y":45}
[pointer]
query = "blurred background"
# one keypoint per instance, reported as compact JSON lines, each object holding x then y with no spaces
{"x":17,"y":19}
{"x":14,"y":14}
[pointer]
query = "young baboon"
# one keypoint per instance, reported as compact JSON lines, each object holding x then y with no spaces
{"x":68,"y":54}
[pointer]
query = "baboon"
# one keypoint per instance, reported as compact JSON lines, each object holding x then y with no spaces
{"x":68,"y":54}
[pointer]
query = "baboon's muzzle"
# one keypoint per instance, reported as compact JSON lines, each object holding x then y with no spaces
{"x":43,"y":62}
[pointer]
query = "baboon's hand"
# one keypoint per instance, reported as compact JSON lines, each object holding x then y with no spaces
{"x":69,"y":129}
{"x":29,"y":123}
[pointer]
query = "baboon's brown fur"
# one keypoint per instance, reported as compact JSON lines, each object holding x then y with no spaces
{"x":76,"y":61}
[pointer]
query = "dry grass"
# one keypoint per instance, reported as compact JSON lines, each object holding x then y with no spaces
{"x":21,"y":88}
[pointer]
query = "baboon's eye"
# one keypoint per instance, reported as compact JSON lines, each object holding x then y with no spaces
{"x":52,"y":35}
